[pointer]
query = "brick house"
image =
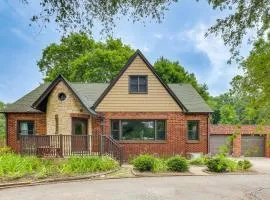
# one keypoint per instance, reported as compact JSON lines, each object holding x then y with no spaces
{"x":137,"y":109}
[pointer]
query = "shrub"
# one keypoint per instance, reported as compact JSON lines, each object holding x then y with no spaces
{"x":81,"y":165}
{"x":144,"y":163}
{"x":198,"y":161}
{"x":160,"y":165}
{"x":217,"y":164}
{"x":177,"y":163}
{"x":5,"y":150}
{"x":244,"y":165}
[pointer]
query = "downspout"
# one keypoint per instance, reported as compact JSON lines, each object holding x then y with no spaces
{"x":208,"y":134}
{"x":6,"y":118}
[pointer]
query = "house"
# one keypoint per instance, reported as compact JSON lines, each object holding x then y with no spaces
{"x":137,"y":109}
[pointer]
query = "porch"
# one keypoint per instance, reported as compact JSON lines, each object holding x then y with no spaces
{"x":70,"y":145}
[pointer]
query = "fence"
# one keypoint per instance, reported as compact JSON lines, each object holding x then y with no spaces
{"x":70,"y":145}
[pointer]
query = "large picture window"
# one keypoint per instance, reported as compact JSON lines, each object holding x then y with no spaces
{"x":26,"y":128}
{"x":138,"y":84}
{"x":193,"y":130}
{"x":138,"y":129}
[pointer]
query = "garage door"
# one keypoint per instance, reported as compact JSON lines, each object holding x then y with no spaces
{"x":252,"y":146}
{"x":216,"y":141}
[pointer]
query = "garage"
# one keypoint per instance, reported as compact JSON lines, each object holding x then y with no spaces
{"x":216,"y":141}
{"x":253,"y":145}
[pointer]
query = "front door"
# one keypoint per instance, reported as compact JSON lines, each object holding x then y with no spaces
{"x":79,"y":135}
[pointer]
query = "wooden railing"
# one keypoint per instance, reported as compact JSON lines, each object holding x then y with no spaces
{"x":70,"y":145}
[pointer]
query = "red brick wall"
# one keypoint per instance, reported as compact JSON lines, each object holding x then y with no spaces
{"x":12,"y":118}
{"x":176,"y":142}
{"x":242,"y":130}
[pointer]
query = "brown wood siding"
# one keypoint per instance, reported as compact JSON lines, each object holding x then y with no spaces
{"x":156,"y":100}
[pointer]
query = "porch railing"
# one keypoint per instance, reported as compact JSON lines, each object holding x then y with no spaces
{"x":70,"y":145}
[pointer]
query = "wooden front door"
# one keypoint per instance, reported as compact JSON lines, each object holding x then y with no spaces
{"x":79,"y":135}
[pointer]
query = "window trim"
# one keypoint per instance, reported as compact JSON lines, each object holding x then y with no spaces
{"x":198,"y":131}
{"x":25,"y":121}
{"x":138,"y":76}
{"x":140,"y":140}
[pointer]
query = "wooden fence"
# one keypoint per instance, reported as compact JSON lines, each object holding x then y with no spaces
{"x":70,"y":145}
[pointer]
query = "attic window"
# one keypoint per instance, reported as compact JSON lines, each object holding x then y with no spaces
{"x":138,"y":84}
{"x":62,"y":96}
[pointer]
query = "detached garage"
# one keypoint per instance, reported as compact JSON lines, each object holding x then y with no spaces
{"x":250,"y":141}
{"x":253,"y":145}
{"x":216,"y":141}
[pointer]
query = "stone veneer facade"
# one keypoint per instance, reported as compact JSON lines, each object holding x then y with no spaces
{"x":70,"y":107}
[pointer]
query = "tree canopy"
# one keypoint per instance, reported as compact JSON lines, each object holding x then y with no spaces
{"x":82,"y":59}
{"x":240,"y":16}
{"x":173,"y":72}
{"x":254,"y":84}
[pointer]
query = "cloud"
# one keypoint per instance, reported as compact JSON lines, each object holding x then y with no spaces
{"x":20,"y":34}
{"x":158,"y":35}
{"x":220,"y":74}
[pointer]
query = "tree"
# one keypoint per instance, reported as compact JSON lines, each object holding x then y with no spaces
{"x":254,"y":84}
{"x":240,"y":16}
{"x":228,"y":115}
{"x":173,"y":72}
{"x":80,"y":58}
{"x":2,"y":120}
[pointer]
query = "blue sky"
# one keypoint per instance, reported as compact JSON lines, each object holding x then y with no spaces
{"x":179,"y":37}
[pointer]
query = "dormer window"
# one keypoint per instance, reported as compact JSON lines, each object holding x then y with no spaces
{"x":138,"y":84}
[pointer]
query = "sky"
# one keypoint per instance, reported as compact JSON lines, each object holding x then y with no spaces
{"x":180,"y":37}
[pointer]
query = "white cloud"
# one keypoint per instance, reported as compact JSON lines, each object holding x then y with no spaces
{"x":158,"y":35}
{"x":19,"y":33}
{"x":221,"y":73}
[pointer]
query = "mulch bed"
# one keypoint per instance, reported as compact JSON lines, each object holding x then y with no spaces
{"x":160,"y":174}
{"x":250,"y":172}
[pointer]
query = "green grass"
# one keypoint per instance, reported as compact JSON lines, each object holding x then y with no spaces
{"x":14,"y":166}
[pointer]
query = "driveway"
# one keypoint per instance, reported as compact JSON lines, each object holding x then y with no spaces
{"x":260,"y":164}
{"x":157,"y":188}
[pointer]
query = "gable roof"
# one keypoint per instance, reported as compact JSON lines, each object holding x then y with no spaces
{"x":90,"y":92}
{"x":48,"y":90}
{"x":130,"y":60}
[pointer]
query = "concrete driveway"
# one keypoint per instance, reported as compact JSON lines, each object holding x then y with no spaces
{"x":262,"y":165}
{"x":157,"y":188}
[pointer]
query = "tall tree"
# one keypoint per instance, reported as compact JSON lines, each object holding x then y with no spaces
{"x":240,"y":15}
{"x":173,"y":72}
{"x":254,"y":84}
{"x":80,"y":58}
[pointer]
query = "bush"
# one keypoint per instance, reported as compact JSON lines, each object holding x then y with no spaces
{"x":160,"y":165}
{"x":198,"y":161}
{"x":5,"y":150}
{"x":144,"y":163}
{"x":244,"y":165}
{"x":177,"y":164}
{"x":82,"y":165}
{"x":217,"y":164}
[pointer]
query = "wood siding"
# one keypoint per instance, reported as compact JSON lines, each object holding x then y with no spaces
{"x":156,"y":100}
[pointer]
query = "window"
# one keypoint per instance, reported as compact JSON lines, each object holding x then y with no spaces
{"x":193,"y":130}
{"x":138,"y":129}
{"x":62,"y":96}
{"x":138,"y":84}
{"x":56,"y":124}
{"x":26,"y":128}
